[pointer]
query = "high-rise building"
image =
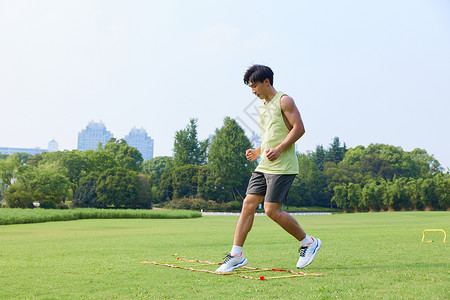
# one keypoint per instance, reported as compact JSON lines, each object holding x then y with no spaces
{"x":255,"y":140}
{"x":139,"y":139}
{"x":94,"y":133}
{"x":52,"y":146}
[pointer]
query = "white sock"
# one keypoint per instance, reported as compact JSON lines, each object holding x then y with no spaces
{"x":306,"y":241}
{"x":236,"y":251}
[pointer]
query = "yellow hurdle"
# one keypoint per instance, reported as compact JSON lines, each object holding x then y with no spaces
{"x":423,"y":237}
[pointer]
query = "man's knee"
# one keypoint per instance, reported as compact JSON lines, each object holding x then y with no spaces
{"x":272,"y":210}
{"x":251,"y":202}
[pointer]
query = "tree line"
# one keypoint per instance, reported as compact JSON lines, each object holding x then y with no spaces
{"x":107,"y":177}
{"x":213,"y":174}
{"x":378,"y":177}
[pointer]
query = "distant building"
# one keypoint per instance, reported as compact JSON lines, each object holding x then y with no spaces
{"x":31,"y":151}
{"x":139,"y":139}
{"x":255,"y":140}
{"x":52,"y":146}
{"x":94,"y":133}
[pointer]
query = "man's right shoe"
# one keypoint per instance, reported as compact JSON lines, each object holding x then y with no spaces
{"x":308,"y":252}
{"x":232,"y":262}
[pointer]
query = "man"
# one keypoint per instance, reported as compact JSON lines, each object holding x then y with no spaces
{"x":281,"y":126}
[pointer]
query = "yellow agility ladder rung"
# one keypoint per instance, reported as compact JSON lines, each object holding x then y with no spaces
{"x":423,"y":237}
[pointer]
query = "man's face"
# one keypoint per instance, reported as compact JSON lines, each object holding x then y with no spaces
{"x":257,"y":89}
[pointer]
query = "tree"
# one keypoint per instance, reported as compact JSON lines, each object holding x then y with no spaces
{"x":300,"y":194}
{"x":118,"y":188}
{"x":319,"y":157}
{"x":184,"y":181}
{"x":49,"y":184}
{"x":443,"y":187}
{"x":385,"y":161}
{"x":344,"y":173}
{"x":378,"y":161}
{"x":371,"y":195}
{"x":421,"y":164}
{"x":354,"y":195}
{"x":429,"y":197}
{"x":413,"y":187}
{"x":34,"y":160}
{"x":394,"y":194}
{"x":310,"y":186}
{"x":401,"y":197}
{"x":206,"y":188}
{"x":45,"y":183}
{"x":99,"y":161}
{"x":335,"y":153}
{"x":18,"y":196}
{"x":227,"y":161}
{"x":145,"y":193}
{"x":21,"y":156}
{"x":164,"y":192}
{"x":86,"y":195}
{"x":155,"y":167}
{"x":187,"y":148}
{"x":73,"y":163}
{"x":126,"y":156}
{"x":340,"y":197}
{"x":390,"y":194}
{"x":9,"y":168}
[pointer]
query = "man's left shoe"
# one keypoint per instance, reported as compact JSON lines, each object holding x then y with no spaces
{"x":307,"y":253}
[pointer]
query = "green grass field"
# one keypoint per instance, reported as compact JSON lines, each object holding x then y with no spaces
{"x":363,"y":256}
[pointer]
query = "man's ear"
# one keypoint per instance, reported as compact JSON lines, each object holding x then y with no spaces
{"x":266,"y":81}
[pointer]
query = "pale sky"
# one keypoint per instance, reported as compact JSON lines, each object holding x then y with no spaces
{"x":373,"y":71}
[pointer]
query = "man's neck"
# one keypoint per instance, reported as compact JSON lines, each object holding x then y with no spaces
{"x":271,"y":93}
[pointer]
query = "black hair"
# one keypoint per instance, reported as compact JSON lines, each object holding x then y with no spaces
{"x":258,"y":73}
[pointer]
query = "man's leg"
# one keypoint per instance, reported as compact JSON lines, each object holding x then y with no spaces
{"x":309,"y":245}
{"x":245,"y":221}
{"x":285,"y":220}
{"x":244,"y":224}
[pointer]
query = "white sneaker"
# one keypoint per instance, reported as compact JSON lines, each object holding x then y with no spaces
{"x":231,"y":263}
{"x":307,"y":253}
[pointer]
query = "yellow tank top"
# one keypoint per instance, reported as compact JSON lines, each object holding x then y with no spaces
{"x":273,"y":131}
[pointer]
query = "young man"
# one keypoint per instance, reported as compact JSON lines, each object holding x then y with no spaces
{"x":281,"y":126}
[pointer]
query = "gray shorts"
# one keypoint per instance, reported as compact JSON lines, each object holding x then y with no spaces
{"x":274,"y":187}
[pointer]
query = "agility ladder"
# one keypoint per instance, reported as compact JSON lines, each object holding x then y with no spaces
{"x":292,"y":273}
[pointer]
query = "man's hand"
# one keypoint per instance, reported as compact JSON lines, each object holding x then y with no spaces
{"x":272,"y":154}
{"x":252,"y":154}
